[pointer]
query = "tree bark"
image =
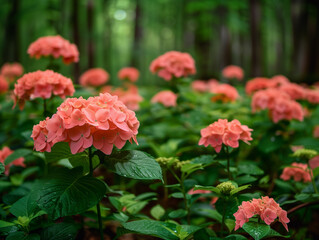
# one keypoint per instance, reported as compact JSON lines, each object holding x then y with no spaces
{"x":90,"y":8}
{"x":76,"y":38}
{"x":138,"y":34}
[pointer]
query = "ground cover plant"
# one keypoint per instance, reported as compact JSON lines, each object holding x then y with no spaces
{"x":228,"y":158}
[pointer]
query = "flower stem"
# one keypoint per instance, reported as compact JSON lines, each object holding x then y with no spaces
{"x":228,"y":162}
{"x":223,"y":219}
{"x":97,"y":205}
{"x":186,"y":203}
{"x":312,"y":180}
{"x":44,"y":108}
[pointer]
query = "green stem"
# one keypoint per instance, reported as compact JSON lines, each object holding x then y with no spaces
{"x":228,"y":162}
{"x":312,"y":180}
{"x":223,"y":219}
{"x":97,"y":205}
{"x":44,"y":108}
{"x":186,"y":202}
{"x":165,"y":188}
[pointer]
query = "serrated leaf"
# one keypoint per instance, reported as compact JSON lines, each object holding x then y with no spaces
{"x":60,"y":231}
{"x":134,"y":164}
{"x":179,"y":213}
{"x":256,"y":230}
{"x":157,"y":212}
{"x":159,"y":229}
{"x":22,"y":152}
{"x":69,"y":193}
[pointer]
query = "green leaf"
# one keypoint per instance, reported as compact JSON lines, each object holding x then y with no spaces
{"x":134,"y":164}
{"x":121,"y":217}
{"x":191,"y":167}
{"x":1,"y":168}
{"x":179,"y":213}
{"x":273,"y":233}
{"x":81,"y":160}
{"x":27,"y":206}
{"x":22,"y":152}
{"x":159,"y":229}
{"x":256,"y":230}
{"x":241,"y":188}
{"x":235,"y":237}
{"x":60,"y":231}
{"x":230,"y":224}
{"x":60,"y":150}
{"x":249,"y":168}
{"x":205,"y":160}
{"x":69,"y":193}
{"x":213,"y":189}
{"x":245,"y":179}
{"x":211,"y":213}
{"x":157,"y":212}
{"x":4,"y":224}
{"x":22,"y":236}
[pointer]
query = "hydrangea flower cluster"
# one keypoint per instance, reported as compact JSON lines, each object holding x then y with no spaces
{"x":204,"y":86}
{"x":4,"y":153}
{"x":316,"y":131}
{"x":129,"y":73}
{"x":260,"y":83}
{"x":173,"y":64}
{"x":94,"y":77}
{"x":280,"y":105}
{"x":55,"y":46}
{"x":11,"y":71}
{"x":130,"y":96}
{"x":233,"y":72}
{"x":41,"y":84}
{"x":167,"y":98}
{"x":297,"y":171}
{"x":4,"y":85}
{"x":224,"y":132}
{"x":101,"y":121}
{"x":266,"y":208}
{"x":224,"y":93}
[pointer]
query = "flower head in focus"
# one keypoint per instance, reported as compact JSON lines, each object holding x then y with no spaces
{"x":101,"y":121}
{"x":224,"y":132}
{"x":267,"y":209}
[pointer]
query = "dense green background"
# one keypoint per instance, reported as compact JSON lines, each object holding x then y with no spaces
{"x":265,"y":37}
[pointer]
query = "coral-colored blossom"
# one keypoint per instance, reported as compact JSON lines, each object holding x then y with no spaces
{"x":199,"y":86}
{"x":4,"y":153}
{"x":94,"y":77}
{"x":224,"y":132}
{"x":279,"y":103}
{"x":173,"y":64}
{"x":294,"y":90}
{"x":316,"y":132}
{"x":11,"y":70}
{"x":233,"y":71}
{"x":266,"y":208}
{"x":4,"y":85}
{"x":314,"y":162}
{"x":167,"y":98}
{"x":55,"y":46}
{"x":101,"y":121}
{"x":130,"y":96}
{"x":129,"y":73}
{"x":41,"y":84}
{"x":312,"y":95}
{"x":224,"y":93}
{"x":297,"y":171}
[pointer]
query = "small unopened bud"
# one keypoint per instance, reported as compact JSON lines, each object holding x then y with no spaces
{"x":305,"y":154}
{"x":226,"y":187}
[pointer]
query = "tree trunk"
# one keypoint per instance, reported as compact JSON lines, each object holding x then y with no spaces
{"x":76,"y":38}
{"x":255,"y":15}
{"x":90,"y":8}
{"x":138,"y":34}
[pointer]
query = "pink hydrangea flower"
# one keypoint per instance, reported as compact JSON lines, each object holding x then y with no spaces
{"x":224,"y":92}
{"x":294,"y":90}
{"x":41,"y":84}
{"x":199,"y":86}
{"x":167,"y":98}
{"x":316,"y":132}
{"x":130,"y":96}
{"x":4,"y":85}
{"x":233,"y":71}
{"x":11,"y":71}
{"x":173,"y":64}
{"x":312,"y":95}
{"x":101,"y":121}
{"x":279,"y":103}
{"x":224,"y":132}
{"x":4,"y":153}
{"x":94,"y":77}
{"x":297,"y":171}
{"x":129,"y":73}
{"x":314,"y":162}
{"x":267,"y":209}
{"x":258,"y":83}
{"x":54,"y":46}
